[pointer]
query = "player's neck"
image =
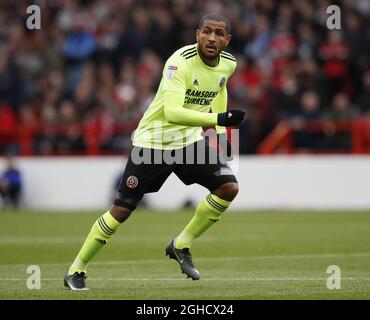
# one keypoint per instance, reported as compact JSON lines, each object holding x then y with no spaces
{"x":212,"y":62}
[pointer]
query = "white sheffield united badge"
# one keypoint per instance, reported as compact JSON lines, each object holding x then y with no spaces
{"x":132,"y":182}
{"x":171,"y":71}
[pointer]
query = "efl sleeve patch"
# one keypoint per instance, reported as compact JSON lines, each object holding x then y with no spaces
{"x":175,"y":74}
{"x":171,"y":72}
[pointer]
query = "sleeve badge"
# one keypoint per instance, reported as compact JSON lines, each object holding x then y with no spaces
{"x":171,"y":71}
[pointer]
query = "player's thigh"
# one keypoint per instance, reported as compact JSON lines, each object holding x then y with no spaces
{"x":210,"y":176}
{"x":138,"y":179}
{"x":209,"y":169}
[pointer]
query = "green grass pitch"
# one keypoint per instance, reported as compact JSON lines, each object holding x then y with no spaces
{"x":247,"y":255}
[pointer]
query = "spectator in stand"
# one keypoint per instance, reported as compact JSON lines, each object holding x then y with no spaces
{"x":45,"y":143}
{"x":78,"y":47}
{"x":70,"y":140}
{"x":107,"y":63}
{"x":285,"y":102}
{"x":309,"y":111}
{"x":8,"y":128}
{"x":257,"y":47}
{"x":341,"y":109}
{"x":334,"y":54}
{"x":356,"y":37}
{"x":9,"y":74}
{"x":307,"y":41}
{"x":282,"y":48}
{"x":10,"y":185}
{"x":309,"y":77}
{"x":364,"y":96}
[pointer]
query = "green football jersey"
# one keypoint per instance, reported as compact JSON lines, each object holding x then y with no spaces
{"x":201,"y":88}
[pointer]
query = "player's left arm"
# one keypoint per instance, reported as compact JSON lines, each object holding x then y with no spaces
{"x":219,"y":106}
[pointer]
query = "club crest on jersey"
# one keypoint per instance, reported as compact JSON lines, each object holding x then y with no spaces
{"x":171,"y":71}
{"x":222,"y":82}
{"x":132,"y":182}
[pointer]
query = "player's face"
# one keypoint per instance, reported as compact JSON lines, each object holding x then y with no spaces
{"x":212,"y":38}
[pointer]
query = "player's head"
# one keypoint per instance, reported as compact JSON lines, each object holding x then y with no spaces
{"x":213,"y":34}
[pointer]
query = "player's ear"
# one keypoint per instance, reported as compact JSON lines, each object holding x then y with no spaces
{"x":197,"y":34}
{"x":228,"y":38}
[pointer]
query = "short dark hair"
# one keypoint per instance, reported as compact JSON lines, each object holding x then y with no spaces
{"x":215,"y":17}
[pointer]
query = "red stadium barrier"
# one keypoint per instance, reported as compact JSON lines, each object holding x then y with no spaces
{"x":280,"y":140}
{"x":90,"y":133}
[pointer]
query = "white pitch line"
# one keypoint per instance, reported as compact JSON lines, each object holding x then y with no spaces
{"x":233,"y":258}
{"x":209,"y":279}
{"x":277,"y":257}
{"x":63,"y":240}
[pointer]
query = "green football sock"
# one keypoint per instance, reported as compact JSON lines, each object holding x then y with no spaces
{"x":207,"y":213}
{"x":102,"y":230}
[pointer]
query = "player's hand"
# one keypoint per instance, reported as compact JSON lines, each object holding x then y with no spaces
{"x":231,"y":118}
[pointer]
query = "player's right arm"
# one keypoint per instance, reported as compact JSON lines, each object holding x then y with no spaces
{"x":175,"y":75}
{"x":176,"y":113}
{"x":174,"y":87}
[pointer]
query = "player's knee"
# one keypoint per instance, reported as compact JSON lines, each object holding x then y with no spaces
{"x":119,"y":213}
{"x":231,"y":191}
{"x":227,"y":191}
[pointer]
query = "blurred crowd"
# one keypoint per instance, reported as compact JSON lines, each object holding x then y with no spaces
{"x":98,"y":64}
